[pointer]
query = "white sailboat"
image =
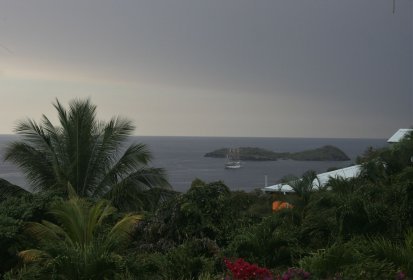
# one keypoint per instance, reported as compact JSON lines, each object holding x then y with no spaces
{"x":233,"y":159}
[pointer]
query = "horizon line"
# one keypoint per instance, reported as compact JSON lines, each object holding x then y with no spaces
{"x":228,"y":136}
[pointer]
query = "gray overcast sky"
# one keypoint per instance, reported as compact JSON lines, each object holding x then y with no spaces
{"x":283,"y":68}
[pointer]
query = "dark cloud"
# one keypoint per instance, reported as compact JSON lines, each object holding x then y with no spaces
{"x":348,"y":60}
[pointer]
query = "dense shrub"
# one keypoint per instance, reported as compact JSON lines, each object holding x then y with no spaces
{"x":14,"y":212}
{"x":350,"y":260}
{"x":267,"y":243}
{"x":191,"y":259}
{"x":205,"y":211}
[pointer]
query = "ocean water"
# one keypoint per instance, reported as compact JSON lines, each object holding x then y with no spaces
{"x":183,"y":159}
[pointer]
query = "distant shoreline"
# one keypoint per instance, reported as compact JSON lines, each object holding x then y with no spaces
{"x":241,"y":137}
{"x":325,"y":153}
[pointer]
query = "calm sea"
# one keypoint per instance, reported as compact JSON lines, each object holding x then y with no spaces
{"x":183,"y":158}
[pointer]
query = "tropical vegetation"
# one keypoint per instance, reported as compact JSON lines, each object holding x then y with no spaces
{"x":360,"y":228}
{"x":80,"y":245}
{"x":96,"y":158}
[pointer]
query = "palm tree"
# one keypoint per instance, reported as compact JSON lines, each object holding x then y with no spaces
{"x":79,"y":246}
{"x":84,"y":152}
{"x":303,"y":187}
{"x":399,"y":253}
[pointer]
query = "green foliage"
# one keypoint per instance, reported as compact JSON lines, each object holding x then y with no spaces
{"x":342,"y":186}
{"x":303,"y":190}
{"x":9,"y":241}
{"x":406,"y":203}
{"x":27,"y":273}
{"x":326,"y":263}
{"x":8,"y":189}
{"x":267,"y":243}
{"x":191,"y":229}
{"x":182,"y":217}
{"x":374,"y":171}
{"x":197,"y":183}
{"x":14,"y":211}
{"x":147,"y":266}
{"x":319,"y":228}
{"x":152,"y":199}
{"x":205,"y":211}
{"x":382,"y":163}
{"x":249,"y":208}
{"x":373,"y":209}
{"x":79,"y":246}
{"x":406,"y":175}
{"x":191,"y":259}
{"x":398,"y":253}
{"x":83,"y":152}
{"x":347,"y":261}
{"x":369,"y":269}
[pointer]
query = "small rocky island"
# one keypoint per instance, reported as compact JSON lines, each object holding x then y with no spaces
{"x":325,"y":153}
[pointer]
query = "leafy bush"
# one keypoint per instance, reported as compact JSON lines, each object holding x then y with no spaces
{"x":326,"y":263}
{"x":14,"y":211}
{"x":27,"y":273}
{"x":267,"y":243}
{"x":148,"y":266}
{"x":348,"y":261}
{"x":191,"y":259}
{"x":205,"y":211}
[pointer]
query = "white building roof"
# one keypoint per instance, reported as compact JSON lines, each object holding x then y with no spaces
{"x":399,"y":135}
{"x":345,"y":173}
{"x":282,"y":188}
{"x":321,"y":180}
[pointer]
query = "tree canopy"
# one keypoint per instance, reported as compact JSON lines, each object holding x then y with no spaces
{"x":95,"y":157}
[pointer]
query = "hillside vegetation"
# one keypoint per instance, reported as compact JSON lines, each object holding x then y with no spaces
{"x":325,"y":153}
{"x":356,"y":229}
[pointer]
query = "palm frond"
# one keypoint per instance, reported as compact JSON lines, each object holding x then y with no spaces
{"x":105,"y":149}
{"x":34,"y":163}
{"x":80,"y":219}
{"x":71,"y":192}
{"x":33,"y":255}
{"x":62,"y":114}
{"x":384,"y":249}
{"x":45,"y":231}
{"x":41,"y":138}
{"x":135,"y":157}
{"x":71,"y":215}
{"x":57,"y":146}
{"x":128,"y":192}
{"x":121,"y":232}
{"x":97,"y":214}
{"x":75,"y":248}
